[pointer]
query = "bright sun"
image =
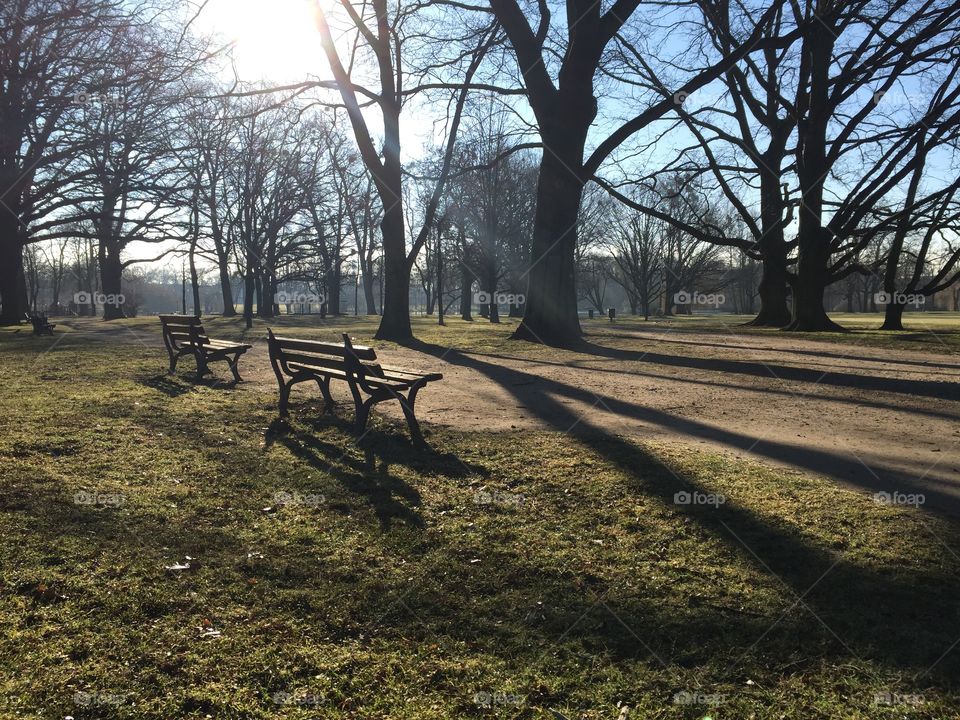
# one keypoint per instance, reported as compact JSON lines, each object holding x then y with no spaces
{"x":273,"y":39}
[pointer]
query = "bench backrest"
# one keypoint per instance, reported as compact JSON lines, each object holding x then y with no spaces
{"x":348,"y":357}
{"x":183,"y":329}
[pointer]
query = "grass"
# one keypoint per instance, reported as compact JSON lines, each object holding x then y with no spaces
{"x":498,"y":575}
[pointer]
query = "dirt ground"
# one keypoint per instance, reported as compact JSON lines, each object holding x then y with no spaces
{"x":868,"y":417}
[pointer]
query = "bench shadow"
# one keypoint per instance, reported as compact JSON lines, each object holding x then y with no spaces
{"x":365,"y":468}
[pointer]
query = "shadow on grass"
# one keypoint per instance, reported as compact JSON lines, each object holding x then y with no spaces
{"x":899,"y":616}
{"x":365,"y":470}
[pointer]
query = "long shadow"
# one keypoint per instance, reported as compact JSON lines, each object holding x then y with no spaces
{"x":537,"y":394}
{"x":862,"y":607}
{"x":927,"y":388}
{"x":859,"y":402}
{"x":787,"y":351}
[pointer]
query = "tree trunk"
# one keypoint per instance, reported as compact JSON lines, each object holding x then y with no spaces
{"x":466,"y":278}
{"x":368,"y":297}
{"x":395,"y":321}
{"x":11,"y":273}
{"x":809,"y":286}
{"x":333,"y":301}
{"x":893,"y":316}
{"x":551,"y":308}
{"x":111,"y":275}
{"x":195,"y":281}
{"x":774,"y":311}
{"x":226,"y":291}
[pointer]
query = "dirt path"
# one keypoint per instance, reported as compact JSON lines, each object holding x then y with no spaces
{"x":852,"y":413}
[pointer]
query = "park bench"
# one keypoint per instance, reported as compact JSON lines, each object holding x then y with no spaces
{"x":296,"y":361}
{"x":41,"y":326}
{"x":184,"y":335}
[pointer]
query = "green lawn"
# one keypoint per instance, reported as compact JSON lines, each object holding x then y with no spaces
{"x":498,"y":575}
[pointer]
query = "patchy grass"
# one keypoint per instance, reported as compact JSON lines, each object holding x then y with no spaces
{"x":499,"y":575}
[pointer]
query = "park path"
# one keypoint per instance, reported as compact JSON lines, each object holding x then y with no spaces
{"x":871,"y":418}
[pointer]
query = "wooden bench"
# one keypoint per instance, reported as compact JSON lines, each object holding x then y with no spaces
{"x":296,"y":361}
{"x":41,"y":326}
{"x":184,"y":335}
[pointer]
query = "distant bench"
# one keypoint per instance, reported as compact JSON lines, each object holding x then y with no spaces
{"x":41,"y":326}
{"x":184,"y":335}
{"x":296,"y":361}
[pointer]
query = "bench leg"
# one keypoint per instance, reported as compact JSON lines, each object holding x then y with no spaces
{"x":202,"y":368}
{"x":285,"y":398}
{"x":324,"y":383}
{"x":363,"y":415}
{"x":233,"y":368}
{"x":407,"y":405}
{"x":173,"y":363}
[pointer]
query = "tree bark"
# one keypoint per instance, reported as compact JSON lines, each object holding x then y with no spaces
{"x":395,"y":321}
{"x":11,"y":274}
{"x":893,"y":316}
{"x":551,"y":308}
{"x":111,"y":277}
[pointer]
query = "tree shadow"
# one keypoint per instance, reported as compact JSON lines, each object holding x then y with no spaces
{"x":928,"y":388}
{"x":859,"y":402}
{"x":793,"y":351}
{"x":900,"y":616}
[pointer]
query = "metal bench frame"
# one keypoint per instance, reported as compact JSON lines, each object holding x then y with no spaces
{"x":184,"y":335}
{"x":295,"y":361}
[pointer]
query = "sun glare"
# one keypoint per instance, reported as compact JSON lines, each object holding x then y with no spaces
{"x":274,"y":40}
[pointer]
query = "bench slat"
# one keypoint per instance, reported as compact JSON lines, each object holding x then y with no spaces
{"x":180,"y":319}
{"x":363,"y":352}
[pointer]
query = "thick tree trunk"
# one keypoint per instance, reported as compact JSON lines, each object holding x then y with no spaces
{"x":774,"y":310}
{"x":815,"y":240}
{"x":893,"y":316}
{"x":809,"y":286}
{"x":13,"y":285}
{"x":111,"y":280}
{"x":395,"y":321}
{"x":551,"y":308}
